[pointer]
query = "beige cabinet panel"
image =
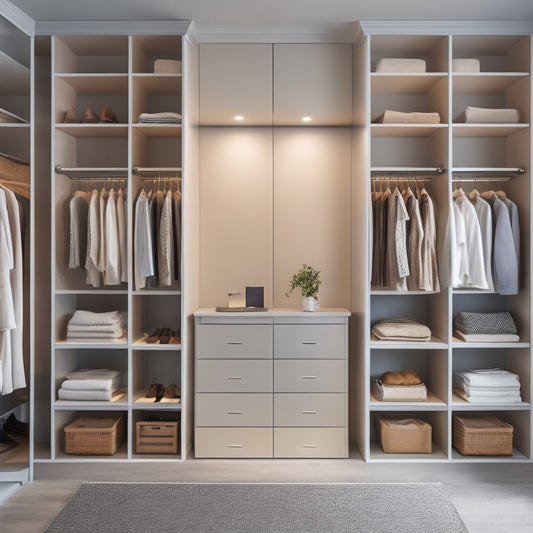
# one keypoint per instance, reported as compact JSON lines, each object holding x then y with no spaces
{"x":235,"y":212}
{"x":310,"y":442}
{"x":310,"y":341}
{"x":312,"y":215}
{"x":233,"y":375}
{"x":235,"y":79}
{"x":309,"y":375}
{"x":312,"y":80}
{"x":234,"y":410}
{"x":310,"y":410}
{"x":228,"y":341}
{"x":233,"y":442}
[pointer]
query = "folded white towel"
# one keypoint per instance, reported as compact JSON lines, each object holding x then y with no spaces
{"x":64,"y":394}
{"x":93,"y":373}
{"x":399,"y":117}
{"x":495,"y":399}
{"x":89,"y":318}
{"x":90,"y":384}
{"x":167,"y":66}
{"x":484,"y":115}
{"x":488,"y":338}
{"x":486,"y":377}
{"x":466,"y":65}
{"x":165,"y":117}
{"x":117,"y":333}
{"x":93,"y":329}
{"x":400,"y":65}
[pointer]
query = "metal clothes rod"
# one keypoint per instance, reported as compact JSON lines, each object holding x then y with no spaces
{"x":517,"y":170}
{"x":407,"y":179}
{"x":93,"y":173}
{"x":408,"y":170}
{"x":482,"y":179}
{"x":146,"y":170}
{"x":153,"y":179}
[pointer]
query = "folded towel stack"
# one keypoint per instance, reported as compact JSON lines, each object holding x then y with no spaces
{"x":165,"y":117}
{"x":484,"y":115}
{"x":90,"y":325}
{"x":402,"y":65}
{"x":486,"y":327}
{"x":466,"y":65}
{"x":167,"y":66}
{"x":399,"y":117}
{"x":487,"y":385}
{"x":401,"y":329}
{"x":90,"y":384}
{"x":403,"y":386}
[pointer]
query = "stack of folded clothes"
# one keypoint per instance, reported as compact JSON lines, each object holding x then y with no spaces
{"x":165,"y":117}
{"x":486,"y":327}
{"x":403,"y":386}
{"x":401,"y":329}
{"x":391,"y":65}
{"x":90,"y":384}
{"x":485,"y":115}
{"x":399,"y":117}
{"x":487,"y":385}
{"x":89,"y":325}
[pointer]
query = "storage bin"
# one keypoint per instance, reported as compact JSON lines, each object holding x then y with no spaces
{"x":94,"y":436}
{"x":404,"y":435}
{"x":482,"y":435}
{"x":156,"y":437}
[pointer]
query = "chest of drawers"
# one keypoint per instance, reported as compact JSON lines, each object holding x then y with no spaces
{"x":271,"y":384}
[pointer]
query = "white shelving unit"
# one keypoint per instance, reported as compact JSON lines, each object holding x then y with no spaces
{"x":117,"y":71}
{"x":464,"y":151}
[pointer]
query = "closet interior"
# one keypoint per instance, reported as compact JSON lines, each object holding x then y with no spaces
{"x":16,"y":220}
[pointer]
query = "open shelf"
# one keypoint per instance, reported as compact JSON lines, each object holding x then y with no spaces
{"x":94,"y":130}
{"x":434,"y":344}
{"x":404,"y":83}
{"x":433,"y":403}
{"x":486,"y":130}
{"x":377,"y":454}
{"x":405,"y":130}
{"x":460,"y":404}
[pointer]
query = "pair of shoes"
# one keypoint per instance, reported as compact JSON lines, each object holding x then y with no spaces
{"x":15,"y":428}
{"x":89,"y":117}
{"x":163,"y":335}
{"x":172,"y":394}
{"x":156,"y":390}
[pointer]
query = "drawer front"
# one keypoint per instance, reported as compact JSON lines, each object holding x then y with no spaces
{"x":233,"y":376}
{"x":233,"y":410}
{"x":153,"y":429}
{"x":252,"y":341}
{"x":233,"y":442}
{"x":310,"y":410}
{"x":310,"y":376}
{"x":308,"y":341}
{"x":310,"y":442}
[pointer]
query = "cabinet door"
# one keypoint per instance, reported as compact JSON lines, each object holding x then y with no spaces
{"x":235,"y":80}
{"x":312,"y":80}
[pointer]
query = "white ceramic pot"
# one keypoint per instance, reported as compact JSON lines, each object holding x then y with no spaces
{"x":309,"y":303}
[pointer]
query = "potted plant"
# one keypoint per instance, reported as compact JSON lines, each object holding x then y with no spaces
{"x":307,"y":279}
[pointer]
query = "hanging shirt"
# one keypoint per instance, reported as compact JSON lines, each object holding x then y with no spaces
{"x":484,"y":216}
{"x":7,"y":310}
{"x":79,"y":209}
{"x":515,"y":227}
{"x":112,"y":251}
{"x":166,"y":242}
{"x":176,"y":215}
{"x":475,"y":264}
{"x":144,"y":262}
{"x":416,"y":236}
{"x":94,"y":276}
{"x":102,"y":242}
{"x":397,"y":261}
{"x":122,"y":235}
{"x":429,"y":278}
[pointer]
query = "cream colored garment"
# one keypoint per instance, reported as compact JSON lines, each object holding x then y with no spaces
{"x":165,"y":251}
{"x":416,"y":236}
{"x":484,"y":216}
{"x":79,"y":207}
{"x":399,"y":117}
{"x":485,"y":115}
{"x":429,"y":278}
{"x":102,"y":243}
{"x":176,"y":198}
{"x":122,"y":235}
{"x":400,"y":64}
{"x":94,"y":277}
{"x":112,"y":251}
{"x":466,"y":65}
{"x":7,"y":310}
{"x":397,"y":262}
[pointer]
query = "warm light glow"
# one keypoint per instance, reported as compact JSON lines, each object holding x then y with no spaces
{"x":238,"y":117}
{"x":306,"y":119}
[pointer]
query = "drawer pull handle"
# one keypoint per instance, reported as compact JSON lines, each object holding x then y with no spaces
{"x":234,"y":377}
{"x":234,"y":343}
{"x":235,"y":445}
{"x":308,"y":377}
{"x":309,"y":412}
{"x":309,"y":446}
{"x":235,"y":413}
{"x":309,"y":342}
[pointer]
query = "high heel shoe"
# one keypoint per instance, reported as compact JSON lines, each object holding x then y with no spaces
{"x":107,"y":116}
{"x":165,"y":336}
{"x":89,"y":117}
{"x":71,"y":117}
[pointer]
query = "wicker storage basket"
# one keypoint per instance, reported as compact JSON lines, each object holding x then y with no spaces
{"x":482,"y":435}
{"x":94,"y":436}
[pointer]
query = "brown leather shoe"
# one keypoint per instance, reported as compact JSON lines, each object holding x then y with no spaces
{"x":89,"y":117}
{"x":70,"y":117}
{"x":107,"y":116}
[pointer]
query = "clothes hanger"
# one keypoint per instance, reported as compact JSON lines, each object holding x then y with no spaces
{"x":474,"y":193}
{"x":458,"y":192}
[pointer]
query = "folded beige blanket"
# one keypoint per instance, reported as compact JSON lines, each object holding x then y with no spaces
{"x":399,"y":393}
{"x":401,"y":329}
{"x":399,"y":117}
{"x":167,"y":66}
{"x":466,"y":65}
{"x":484,"y":115}
{"x":400,"y":65}
{"x":508,"y":337}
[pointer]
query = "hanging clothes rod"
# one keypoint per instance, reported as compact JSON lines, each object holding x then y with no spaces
{"x":485,"y":171}
{"x":406,"y":178}
{"x":481,"y":179}
{"x":164,"y":178}
{"x":93,"y":173}
{"x":156,"y":170}
{"x":407,"y":170}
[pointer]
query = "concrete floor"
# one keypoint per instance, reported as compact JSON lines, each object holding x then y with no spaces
{"x":489,"y":497}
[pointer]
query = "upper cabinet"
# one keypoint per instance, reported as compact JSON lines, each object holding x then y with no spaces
{"x":312,"y":84}
{"x":236,"y":84}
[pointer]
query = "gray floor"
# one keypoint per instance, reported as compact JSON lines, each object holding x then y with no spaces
{"x":489,"y":497}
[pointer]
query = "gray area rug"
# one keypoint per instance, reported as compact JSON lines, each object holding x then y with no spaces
{"x":258,"y":507}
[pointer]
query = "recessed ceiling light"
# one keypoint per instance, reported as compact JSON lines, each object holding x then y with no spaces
{"x":306,"y":119}
{"x":238,"y":117}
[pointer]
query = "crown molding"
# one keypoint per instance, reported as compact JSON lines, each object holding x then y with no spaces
{"x":17,"y":17}
{"x":442,"y":27}
{"x":112,"y":27}
{"x":336,"y":33}
{"x":192,"y":35}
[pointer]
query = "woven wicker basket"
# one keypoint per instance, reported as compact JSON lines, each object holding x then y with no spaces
{"x":94,"y":436}
{"x":482,"y":435}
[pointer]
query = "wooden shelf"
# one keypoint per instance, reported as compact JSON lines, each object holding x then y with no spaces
{"x":458,"y":343}
{"x":485,"y":82}
{"x":384,"y":83}
{"x":153,"y":406}
{"x":158,"y":83}
{"x":91,"y":291}
{"x":377,"y":454}
{"x":94,"y":130}
{"x":460,"y":404}
{"x":93,"y":344}
{"x":517,"y":457}
{"x":158,"y":130}
{"x":405,"y":130}
{"x":486,"y":130}
{"x":389,"y":292}
{"x":141,"y":344}
{"x":433,"y":403}
{"x":434,"y":344}
{"x":112,"y":83}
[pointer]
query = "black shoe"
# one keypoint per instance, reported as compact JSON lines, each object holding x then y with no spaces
{"x":15,"y":428}
{"x":5,"y":439}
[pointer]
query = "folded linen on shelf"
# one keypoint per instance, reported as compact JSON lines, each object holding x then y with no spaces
{"x":486,"y":392}
{"x":92,"y":379}
{"x":485,"y":115}
{"x":65,"y":394}
{"x":488,"y":338}
{"x":89,"y":384}
{"x":485,"y":377}
{"x":402,"y":377}
{"x":494,"y":399}
{"x":167,"y":66}
{"x":399,"y":393}
{"x":466,"y":65}
{"x":400,"y":117}
{"x":401,"y":329}
{"x":400,"y":65}
{"x":117,"y":333}
{"x":472,"y":323}
{"x":165,"y":117}
{"x":90,"y":318}
{"x":93,"y":329}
